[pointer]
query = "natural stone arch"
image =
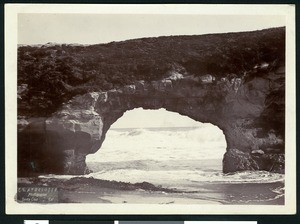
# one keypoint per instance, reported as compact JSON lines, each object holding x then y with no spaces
{"x":69,"y":95}
{"x":78,"y":128}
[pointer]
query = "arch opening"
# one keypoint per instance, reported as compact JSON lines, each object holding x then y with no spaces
{"x":159,"y":147}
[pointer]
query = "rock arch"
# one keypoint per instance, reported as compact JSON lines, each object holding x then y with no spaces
{"x":60,"y":143}
{"x":70,"y":95}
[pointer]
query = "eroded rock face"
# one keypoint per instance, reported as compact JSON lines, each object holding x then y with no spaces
{"x":237,"y":106}
{"x":69,"y":96}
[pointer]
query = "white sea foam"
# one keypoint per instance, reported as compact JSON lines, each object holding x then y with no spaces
{"x":172,"y":178}
{"x":163,"y":144}
{"x":169,"y":157}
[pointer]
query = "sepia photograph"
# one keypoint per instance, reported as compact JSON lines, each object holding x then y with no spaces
{"x":170,"y":110}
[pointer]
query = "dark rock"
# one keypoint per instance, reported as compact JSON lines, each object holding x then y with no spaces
{"x":235,"y":160}
{"x":273,"y":150}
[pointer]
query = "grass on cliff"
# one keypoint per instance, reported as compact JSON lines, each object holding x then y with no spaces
{"x":53,"y":74}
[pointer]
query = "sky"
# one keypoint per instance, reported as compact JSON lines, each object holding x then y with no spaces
{"x":41,"y":28}
{"x":139,"y":118}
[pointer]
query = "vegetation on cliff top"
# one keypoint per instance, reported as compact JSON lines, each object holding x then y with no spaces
{"x":49,"y":75}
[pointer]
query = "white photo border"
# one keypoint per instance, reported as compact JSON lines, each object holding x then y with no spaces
{"x":11,"y":34}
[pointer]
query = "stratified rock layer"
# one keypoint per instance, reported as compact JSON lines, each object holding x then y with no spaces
{"x":248,"y":107}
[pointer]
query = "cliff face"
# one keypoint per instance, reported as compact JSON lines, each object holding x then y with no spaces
{"x":247,"y":104}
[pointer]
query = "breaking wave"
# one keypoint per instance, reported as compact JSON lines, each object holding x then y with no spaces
{"x":161,"y":144}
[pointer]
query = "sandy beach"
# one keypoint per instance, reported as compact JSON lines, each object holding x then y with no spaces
{"x":90,"y":190}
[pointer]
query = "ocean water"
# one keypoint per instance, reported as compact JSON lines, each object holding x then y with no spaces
{"x":188,"y":159}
